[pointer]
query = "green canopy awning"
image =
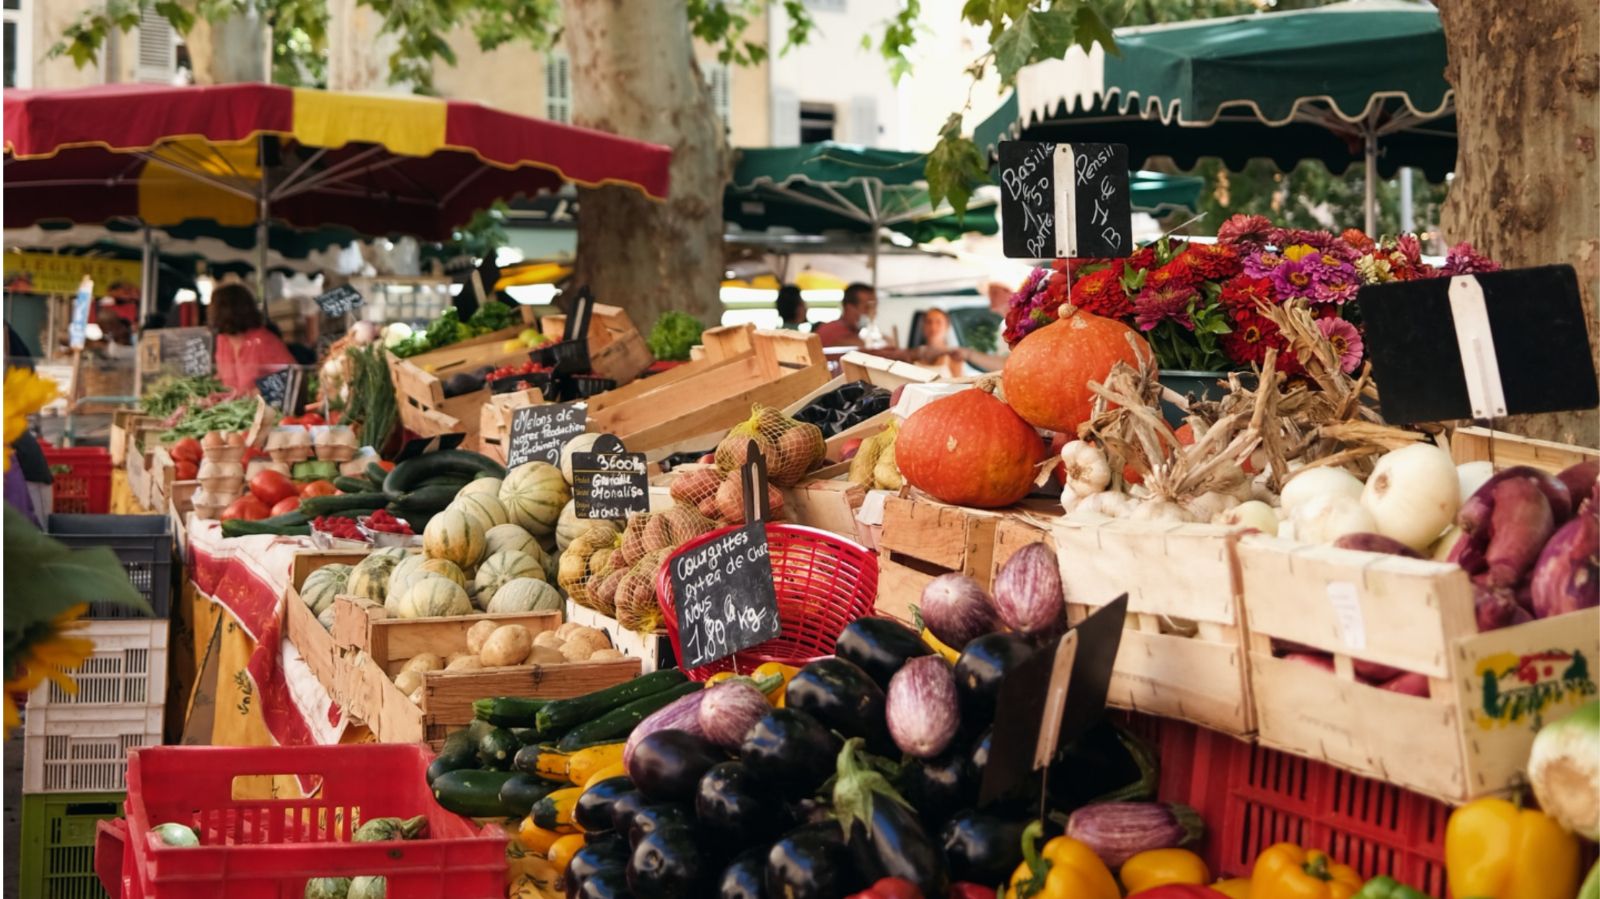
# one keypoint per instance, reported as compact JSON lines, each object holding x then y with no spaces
{"x":1356,"y":81}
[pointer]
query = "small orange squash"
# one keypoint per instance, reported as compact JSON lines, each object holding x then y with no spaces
{"x":1047,"y":375}
{"x":969,"y":449}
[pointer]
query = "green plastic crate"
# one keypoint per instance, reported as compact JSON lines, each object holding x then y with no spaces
{"x":58,"y":843}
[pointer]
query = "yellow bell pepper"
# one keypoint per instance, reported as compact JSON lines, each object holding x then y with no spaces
{"x":1065,"y":869}
{"x":1233,"y":887}
{"x":1159,"y":867}
{"x":766,"y":670}
{"x":1494,"y":850}
{"x":719,"y":677}
{"x":1286,"y":871}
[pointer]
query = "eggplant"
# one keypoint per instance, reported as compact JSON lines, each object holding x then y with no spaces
{"x":880,"y":647}
{"x":885,"y":837}
{"x":666,"y":864}
{"x":593,"y":809}
{"x":790,"y":752}
{"x":940,"y":786}
{"x":745,"y":877}
{"x":729,"y":805}
{"x":652,"y":818}
{"x":844,"y":698}
{"x":808,"y":811}
{"x":1117,"y":831}
{"x":922,"y":708}
{"x":981,"y":670}
{"x":982,"y":848}
{"x":667,"y":765}
{"x":957,"y":610}
{"x":623,"y":808}
{"x":595,"y":856}
{"x":812,"y":862}
{"x":1106,"y":763}
{"x":607,"y":883}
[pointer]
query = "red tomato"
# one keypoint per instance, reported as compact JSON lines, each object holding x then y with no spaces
{"x":247,"y":507}
{"x":271,"y":486}
{"x":318,"y":488}
{"x":386,"y":465}
{"x":286,"y":505}
{"x":186,"y":450}
{"x":186,"y":470}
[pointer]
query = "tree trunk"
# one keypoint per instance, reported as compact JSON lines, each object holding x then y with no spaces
{"x":1527,"y":188}
{"x":634,"y":74}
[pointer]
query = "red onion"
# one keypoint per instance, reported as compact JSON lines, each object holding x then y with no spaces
{"x":1410,"y":683}
{"x":729,"y":710}
{"x":1496,"y":608}
{"x":1519,"y":527}
{"x":1314,"y":659}
{"x":957,"y":610}
{"x":1374,"y":673}
{"x":1566,"y":577}
{"x":1580,"y":479}
{"x":1376,"y":543}
{"x":921,"y":707}
{"x":1027,"y":591}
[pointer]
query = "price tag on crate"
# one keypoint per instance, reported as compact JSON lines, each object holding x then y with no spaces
{"x":1479,"y":346}
{"x":539,"y":432}
{"x":722,"y":590}
{"x":187,"y":350}
{"x":1051,"y":699}
{"x":1065,"y":200}
{"x":339,"y":301}
{"x":609,"y":483}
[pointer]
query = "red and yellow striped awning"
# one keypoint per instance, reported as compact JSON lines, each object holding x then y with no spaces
{"x":378,"y":163}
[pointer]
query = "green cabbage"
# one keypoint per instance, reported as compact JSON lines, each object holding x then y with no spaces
{"x":1564,"y":768}
{"x":673,"y":336}
{"x":328,"y":888}
{"x":368,"y":887}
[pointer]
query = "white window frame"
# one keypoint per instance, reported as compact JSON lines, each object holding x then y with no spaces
{"x":721,"y":93}
{"x":166,"y":74}
{"x":22,"y":19}
{"x":558,"y":108}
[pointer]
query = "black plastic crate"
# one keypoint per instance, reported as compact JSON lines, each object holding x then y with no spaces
{"x":142,"y":542}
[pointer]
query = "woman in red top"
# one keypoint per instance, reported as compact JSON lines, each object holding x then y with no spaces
{"x":246,"y":350}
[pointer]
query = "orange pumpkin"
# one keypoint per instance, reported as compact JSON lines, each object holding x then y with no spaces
{"x":969,"y":449}
{"x":1047,"y":375}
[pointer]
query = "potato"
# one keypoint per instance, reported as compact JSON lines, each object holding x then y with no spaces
{"x":548,"y":639}
{"x":577,"y":651}
{"x":454,"y":657}
{"x":416,"y":696}
{"x":478,"y":634}
{"x":607,"y":655}
{"x":566,"y":629}
{"x":464,"y":663}
{"x":423,"y":661}
{"x":508,"y":645}
{"x":408,"y":681}
{"x":544,"y":655}
{"x":597,"y":639}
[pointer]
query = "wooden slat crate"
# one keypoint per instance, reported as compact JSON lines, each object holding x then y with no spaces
{"x":314,"y":642}
{"x":419,"y":383}
{"x":375,"y":648}
{"x":883,"y":372}
{"x":922,"y":539}
{"x":1184,"y":643}
{"x":698,"y":408}
{"x":616,"y":348}
{"x":1488,"y":692}
{"x":126,"y":426}
{"x":653,"y":650}
{"x":494,"y":420}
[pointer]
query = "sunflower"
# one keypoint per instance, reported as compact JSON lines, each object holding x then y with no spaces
{"x":26,"y":393}
{"x":45,"y":650}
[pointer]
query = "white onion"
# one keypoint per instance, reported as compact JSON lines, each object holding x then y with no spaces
{"x":1253,"y":514}
{"x":1413,"y":494}
{"x":1314,"y":482}
{"x":1328,"y":517}
{"x":1471,"y":475}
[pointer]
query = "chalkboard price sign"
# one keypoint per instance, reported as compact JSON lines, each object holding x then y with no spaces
{"x":539,"y":432}
{"x":1065,"y":200}
{"x":187,"y":350}
{"x":723,"y":596}
{"x":339,"y":300}
{"x":274,"y":389}
{"x":610,"y":486}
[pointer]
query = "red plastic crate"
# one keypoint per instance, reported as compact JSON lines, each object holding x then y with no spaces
{"x":1251,"y":797}
{"x":82,"y":479}
{"x":269,"y":848}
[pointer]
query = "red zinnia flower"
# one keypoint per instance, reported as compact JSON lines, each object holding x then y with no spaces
{"x":1155,"y":305}
{"x":1177,"y":273}
{"x":1212,"y":261}
{"x":1357,"y":238}
{"x":1101,"y":293}
{"x":1243,"y":292}
{"x":1247,"y":229}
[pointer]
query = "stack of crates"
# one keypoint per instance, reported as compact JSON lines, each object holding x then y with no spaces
{"x":75,"y":746}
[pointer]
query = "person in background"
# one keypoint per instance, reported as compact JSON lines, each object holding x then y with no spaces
{"x":246,"y":349}
{"x":939,"y":334}
{"x":856,"y":310}
{"x":118,"y":334}
{"x":791,"y":308}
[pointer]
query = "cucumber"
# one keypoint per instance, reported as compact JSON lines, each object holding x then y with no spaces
{"x":429,"y":499}
{"x":521,"y":791}
{"x":619,"y":722}
{"x":410,"y":474}
{"x":564,"y":714}
{"x":470,"y":792}
{"x":497,"y":747}
{"x":313,"y":506}
{"x":347,"y":484}
{"x":279,"y":526}
{"x":417,"y":520}
{"x":509,"y":711}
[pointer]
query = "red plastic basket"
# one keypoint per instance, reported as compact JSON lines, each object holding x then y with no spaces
{"x":82,"y":479}
{"x":823,"y":583}
{"x":269,"y":848}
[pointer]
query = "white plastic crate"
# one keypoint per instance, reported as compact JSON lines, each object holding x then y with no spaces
{"x":68,"y":749}
{"x":128,"y":667}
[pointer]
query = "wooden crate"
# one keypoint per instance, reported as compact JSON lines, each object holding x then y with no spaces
{"x":494,"y":420}
{"x":1470,"y":737}
{"x":419,"y":384}
{"x":881,"y":372}
{"x":1184,"y":643}
{"x":616,"y":348}
{"x":697,"y":409}
{"x":126,"y":426}
{"x":922,"y":539}
{"x":367,"y":690}
{"x":653,"y":650}
{"x":314,"y":642}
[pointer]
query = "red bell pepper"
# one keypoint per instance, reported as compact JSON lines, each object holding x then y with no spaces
{"x":890,"y":888}
{"x":1180,"y":891}
{"x":970,"y":891}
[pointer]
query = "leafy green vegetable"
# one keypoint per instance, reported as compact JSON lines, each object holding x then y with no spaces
{"x":372,"y":405}
{"x":492,"y":316}
{"x":167,"y":394}
{"x":234,"y":415}
{"x":673,"y":336}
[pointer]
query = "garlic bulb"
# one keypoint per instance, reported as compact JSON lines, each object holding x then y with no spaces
{"x":1085,"y":468}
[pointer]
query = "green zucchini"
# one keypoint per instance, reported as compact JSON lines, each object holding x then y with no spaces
{"x":278,"y":526}
{"x":564,"y":714}
{"x":459,"y":746}
{"x":441,"y":766}
{"x":475,"y":731}
{"x":509,"y":711}
{"x":471,"y":792}
{"x":432,"y":498}
{"x":521,"y":791}
{"x":347,"y":484}
{"x":496,"y":748}
{"x":410,"y":474}
{"x":313,"y":506}
{"x":376,"y":474}
{"x":619,"y":722}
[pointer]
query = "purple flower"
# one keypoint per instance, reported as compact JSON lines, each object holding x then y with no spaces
{"x":1334,"y":281}
{"x":1345,"y":340}
{"x":1285,"y":237}
{"x":1464,"y":260}
{"x":1155,"y":305}
{"x":1261,"y":264}
{"x":1296,"y":279}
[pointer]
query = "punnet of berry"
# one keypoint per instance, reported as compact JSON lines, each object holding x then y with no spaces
{"x":382,"y":520}
{"x":336,"y":526}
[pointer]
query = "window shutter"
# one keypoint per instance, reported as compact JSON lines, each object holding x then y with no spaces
{"x":721,"y":80}
{"x":864,"y":121}
{"x":558,"y":87}
{"x":157,"y":61}
{"x":785,"y":118}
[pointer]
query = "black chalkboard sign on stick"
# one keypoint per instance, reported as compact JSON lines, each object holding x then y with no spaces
{"x":609,"y":483}
{"x":281,"y":389}
{"x":339,"y":301}
{"x":723,"y":596}
{"x":539,"y":432}
{"x":187,"y":350}
{"x":1479,"y":346}
{"x":1065,"y":200}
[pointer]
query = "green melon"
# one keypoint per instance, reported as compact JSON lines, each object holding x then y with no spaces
{"x":583,"y":443}
{"x":533,"y":495}
{"x":370,"y":577}
{"x":503,"y":567}
{"x":454,"y":535}
{"x":322,"y":585}
{"x":525,"y":594}
{"x":432,"y":596}
{"x":487,"y":486}
{"x":481,"y":507}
